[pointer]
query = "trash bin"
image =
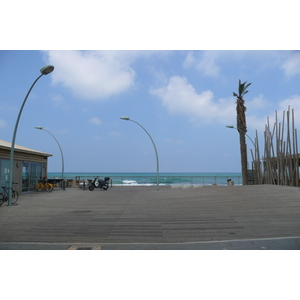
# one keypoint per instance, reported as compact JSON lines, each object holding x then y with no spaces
{"x":230,"y":182}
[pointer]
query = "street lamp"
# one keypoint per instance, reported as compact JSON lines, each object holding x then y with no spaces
{"x":62,"y":157}
{"x":157,"y":164}
{"x":232,"y":127}
{"x":44,"y":71}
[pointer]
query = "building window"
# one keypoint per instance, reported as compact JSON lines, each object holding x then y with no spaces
{"x":31,"y":172}
{"x":4,"y":173}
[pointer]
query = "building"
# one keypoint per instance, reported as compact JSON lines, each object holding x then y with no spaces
{"x":29,"y":166}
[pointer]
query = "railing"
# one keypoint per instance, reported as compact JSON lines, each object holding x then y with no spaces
{"x":168,"y":180}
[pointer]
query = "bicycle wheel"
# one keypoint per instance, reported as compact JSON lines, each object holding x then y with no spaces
{"x":49,"y":187}
{"x":14,"y":197}
{"x":1,"y":201}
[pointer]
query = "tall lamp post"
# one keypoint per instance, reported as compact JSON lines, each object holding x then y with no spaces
{"x":157,"y":164}
{"x":62,"y":157}
{"x":232,"y":127}
{"x":44,"y":71}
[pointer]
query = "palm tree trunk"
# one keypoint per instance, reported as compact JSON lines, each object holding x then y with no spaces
{"x":244,"y":160}
{"x":242,"y":127}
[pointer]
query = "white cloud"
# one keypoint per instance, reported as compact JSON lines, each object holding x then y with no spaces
{"x":256,"y":103}
{"x":179,"y":97}
{"x":211,"y":62}
{"x":189,"y":60}
{"x":258,"y":122}
{"x":93,"y":75}
{"x":282,"y":116}
{"x":292,"y":64}
{"x":64,"y":131}
{"x":59,"y":102}
{"x":95,"y":121}
{"x":175,"y":141}
{"x":294,"y":104}
{"x":114,"y":134}
{"x":256,"y":112}
{"x":2,"y":123}
{"x":96,"y":137}
{"x":205,"y":63}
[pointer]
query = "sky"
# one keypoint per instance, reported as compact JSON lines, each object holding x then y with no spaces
{"x":170,"y":67}
{"x":184,"y":99}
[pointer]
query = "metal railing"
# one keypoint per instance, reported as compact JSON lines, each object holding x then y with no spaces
{"x":144,"y":180}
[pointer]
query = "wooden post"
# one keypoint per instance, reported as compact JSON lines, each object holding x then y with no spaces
{"x":280,"y":164}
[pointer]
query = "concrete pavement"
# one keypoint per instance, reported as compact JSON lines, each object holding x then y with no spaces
{"x":210,"y":217}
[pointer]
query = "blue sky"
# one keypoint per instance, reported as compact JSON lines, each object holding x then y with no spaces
{"x":182,"y":98}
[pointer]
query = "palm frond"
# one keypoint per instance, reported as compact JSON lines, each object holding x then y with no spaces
{"x":247,"y":85}
{"x":242,"y":90}
{"x":245,"y":88}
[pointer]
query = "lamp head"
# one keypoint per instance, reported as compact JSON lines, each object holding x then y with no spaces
{"x":230,"y":126}
{"x":39,"y":127}
{"x":47,"y":69}
{"x":124,"y":118}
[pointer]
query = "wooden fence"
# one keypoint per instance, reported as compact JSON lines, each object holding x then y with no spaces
{"x":280,"y":161}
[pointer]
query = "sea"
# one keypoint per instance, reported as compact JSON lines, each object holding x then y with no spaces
{"x":148,"y":179}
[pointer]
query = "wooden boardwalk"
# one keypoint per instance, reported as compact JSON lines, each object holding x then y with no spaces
{"x":142,"y":215}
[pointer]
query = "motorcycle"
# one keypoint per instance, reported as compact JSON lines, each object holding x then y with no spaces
{"x":99,"y":183}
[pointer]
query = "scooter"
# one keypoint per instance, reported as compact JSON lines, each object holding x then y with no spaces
{"x":99,"y":183}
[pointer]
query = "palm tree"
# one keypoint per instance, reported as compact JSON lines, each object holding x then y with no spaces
{"x":241,"y":127}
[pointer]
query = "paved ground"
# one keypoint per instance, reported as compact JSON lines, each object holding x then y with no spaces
{"x":214,"y":217}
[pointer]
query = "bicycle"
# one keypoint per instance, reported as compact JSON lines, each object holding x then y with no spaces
{"x":83,"y":185}
{"x":4,"y":195}
{"x":44,"y":185}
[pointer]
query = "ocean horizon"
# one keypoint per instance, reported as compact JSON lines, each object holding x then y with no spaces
{"x":150,"y":178}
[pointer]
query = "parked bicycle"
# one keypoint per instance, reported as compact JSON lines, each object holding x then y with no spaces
{"x":83,"y":185}
{"x":4,"y":195}
{"x":44,"y":185}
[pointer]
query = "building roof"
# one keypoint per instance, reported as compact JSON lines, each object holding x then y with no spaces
{"x":7,"y":145}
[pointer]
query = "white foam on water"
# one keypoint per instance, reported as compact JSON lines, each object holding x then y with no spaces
{"x":129,"y":182}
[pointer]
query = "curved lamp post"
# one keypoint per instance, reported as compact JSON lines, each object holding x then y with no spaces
{"x":232,"y":127}
{"x":44,"y":71}
{"x":62,"y":157}
{"x":157,"y":164}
